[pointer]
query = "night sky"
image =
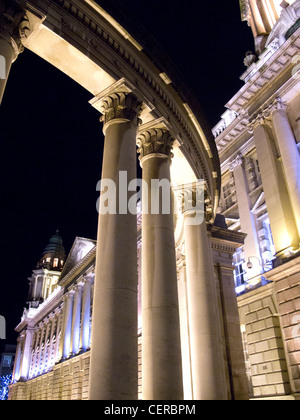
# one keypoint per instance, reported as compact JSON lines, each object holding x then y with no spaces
{"x":51,"y":139}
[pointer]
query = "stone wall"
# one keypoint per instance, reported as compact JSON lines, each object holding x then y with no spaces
{"x":68,"y":380}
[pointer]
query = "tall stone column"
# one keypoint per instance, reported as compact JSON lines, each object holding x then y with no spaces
{"x":26,"y":356}
{"x":13,"y":27}
{"x":208,"y":371}
{"x":289,"y":154}
{"x":75,"y":338}
{"x":114,"y":345}
{"x":161,"y":355}
{"x":16,"y":372}
{"x":67,"y":324}
{"x":247,"y":218}
{"x":86,"y":314}
{"x":282,"y":222}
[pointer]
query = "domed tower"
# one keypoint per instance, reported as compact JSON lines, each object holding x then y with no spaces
{"x":45,"y":277}
{"x":54,"y":254}
{"x":262,"y":16}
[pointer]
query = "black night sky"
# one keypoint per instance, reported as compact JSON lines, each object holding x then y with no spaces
{"x":51,"y":139}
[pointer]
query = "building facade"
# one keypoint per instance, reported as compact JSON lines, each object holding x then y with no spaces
{"x":159,"y":291}
{"x":258,"y":140}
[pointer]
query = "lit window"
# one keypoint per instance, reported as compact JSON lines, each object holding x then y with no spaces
{"x":48,"y":259}
{"x":55,"y":262}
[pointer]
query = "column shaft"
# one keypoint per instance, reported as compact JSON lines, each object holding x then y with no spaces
{"x":26,"y":356}
{"x":161,"y":356}
{"x":290,"y":158}
{"x":247,"y":218}
{"x":75,"y":338}
{"x":86,"y":315}
{"x":67,"y":325}
{"x":205,"y":334}
{"x":280,"y":213}
{"x":114,"y":346}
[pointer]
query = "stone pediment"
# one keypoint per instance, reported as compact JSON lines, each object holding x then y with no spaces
{"x":81,"y":247}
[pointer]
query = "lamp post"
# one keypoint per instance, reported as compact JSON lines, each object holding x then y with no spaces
{"x":261,"y":264}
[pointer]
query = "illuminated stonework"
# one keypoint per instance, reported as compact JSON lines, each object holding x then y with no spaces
{"x":258,"y":140}
{"x":91,"y":313}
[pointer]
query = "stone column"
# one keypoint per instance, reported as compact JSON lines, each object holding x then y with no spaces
{"x":75,"y":337}
{"x":86,"y":314}
{"x":48,"y":326}
{"x":13,"y":27}
{"x":247,"y":218}
{"x":289,"y":154}
{"x":114,"y":348}
{"x":58,"y":336}
{"x":184,"y":329}
{"x":208,"y":371}
{"x":161,"y":349}
{"x":53,"y":317}
{"x":26,"y":356}
{"x":67,"y":324}
{"x":42,"y":327}
{"x":16,"y":372}
{"x":282,"y":222}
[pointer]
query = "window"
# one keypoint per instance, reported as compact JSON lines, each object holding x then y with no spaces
{"x":55,"y":262}
{"x":240,"y":276}
{"x":6,"y":360}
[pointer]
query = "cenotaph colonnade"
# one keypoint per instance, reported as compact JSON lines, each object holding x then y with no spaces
{"x":140,"y":103}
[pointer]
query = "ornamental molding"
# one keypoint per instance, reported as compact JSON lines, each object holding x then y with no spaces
{"x":155,"y":141}
{"x":14,"y":25}
{"x":118,"y":101}
{"x":264,"y":117}
{"x":237,"y":161}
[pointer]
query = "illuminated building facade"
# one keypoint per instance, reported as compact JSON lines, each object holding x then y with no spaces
{"x":258,"y":140}
{"x":196,"y":341}
{"x":78,"y":337}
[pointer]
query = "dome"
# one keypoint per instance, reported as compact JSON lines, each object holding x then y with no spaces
{"x":55,"y":245}
{"x":54,"y":254}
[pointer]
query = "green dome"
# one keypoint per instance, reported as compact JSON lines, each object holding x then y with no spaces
{"x":55,"y":245}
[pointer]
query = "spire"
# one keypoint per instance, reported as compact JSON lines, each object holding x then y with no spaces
{"x":54,"y":254}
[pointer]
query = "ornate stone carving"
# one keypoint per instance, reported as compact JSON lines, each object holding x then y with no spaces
{"x":155,"y":140}
{"x":123,"y":105}
{"x":237,"y":161}
{"x":14,"y":24}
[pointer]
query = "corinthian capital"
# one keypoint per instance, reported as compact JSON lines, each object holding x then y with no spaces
{"x":14,"y":24}
{"x":118,"y":102}
{"x":237,"y":161}
{"x":155,"y":141}
{"x":120,"y":106}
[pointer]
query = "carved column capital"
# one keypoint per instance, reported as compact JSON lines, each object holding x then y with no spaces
{"x":260,"y":119}
{"x":121,"y":105}
{"x":237,"y":161}
{"x":155,"y":141}
{"x":118,"y":102}
{"x":14,"y":24}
